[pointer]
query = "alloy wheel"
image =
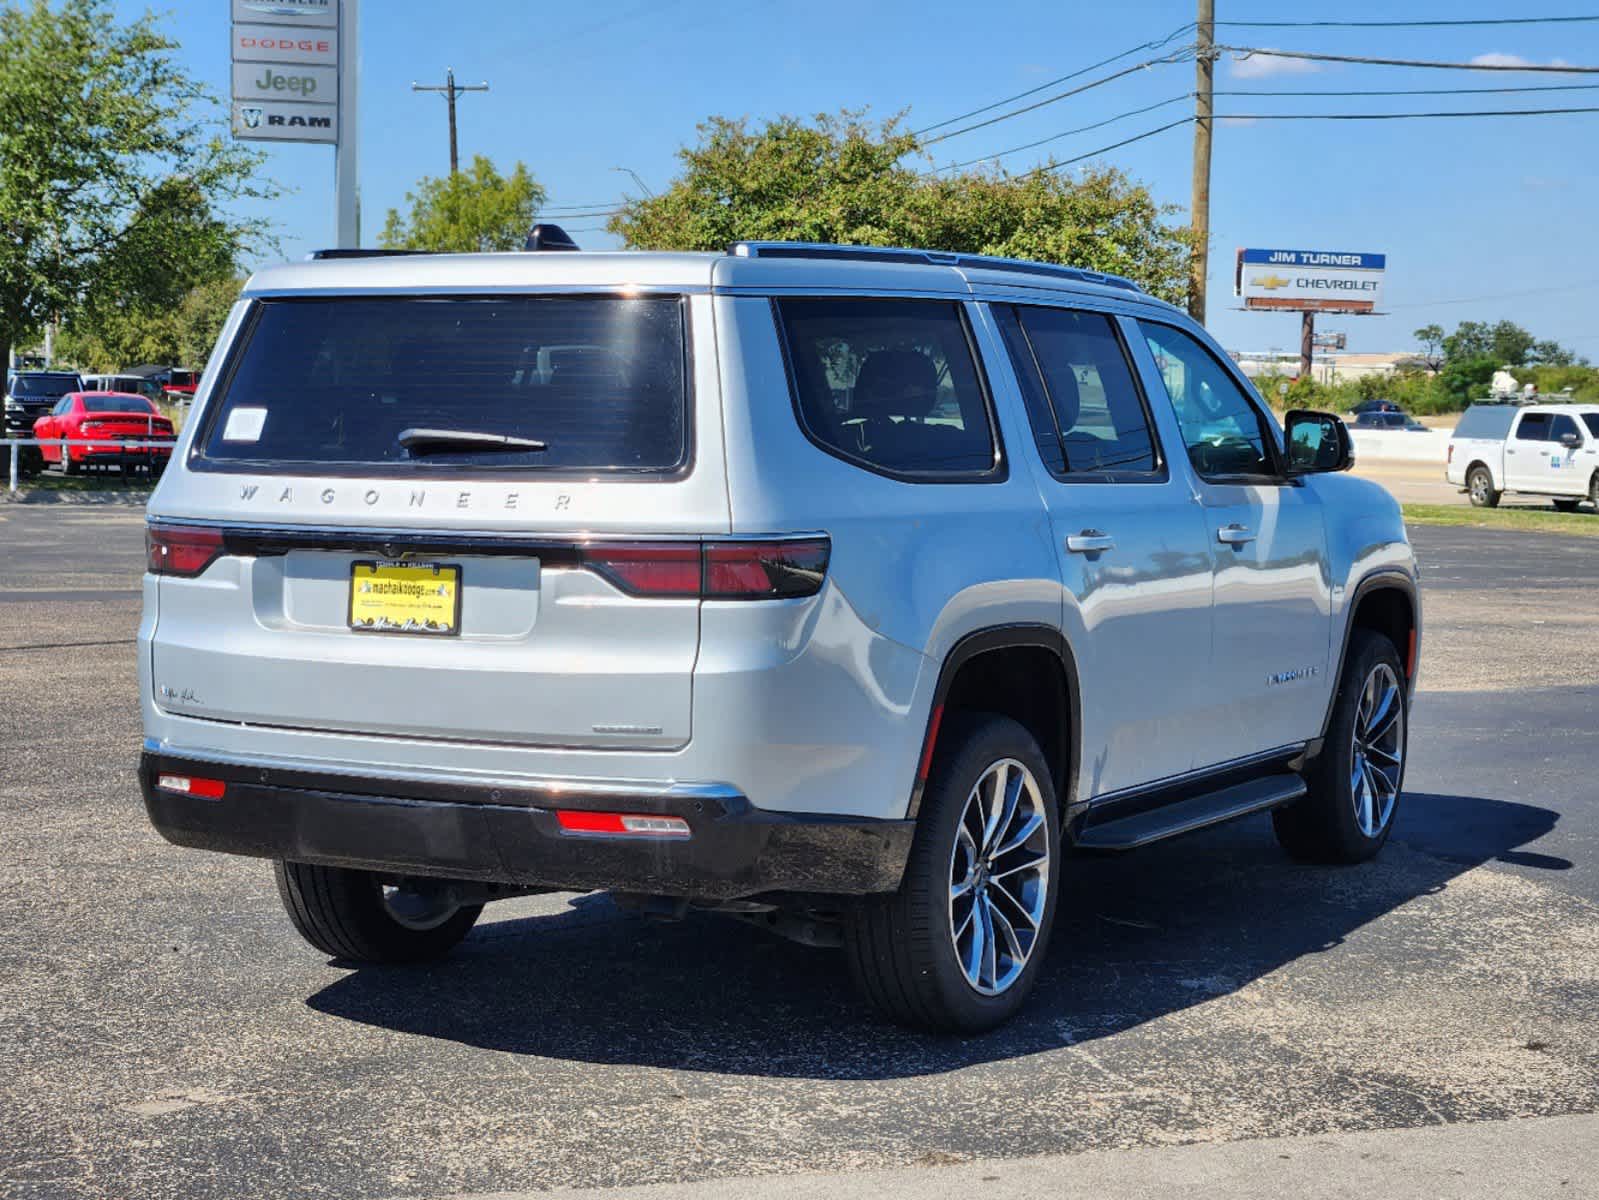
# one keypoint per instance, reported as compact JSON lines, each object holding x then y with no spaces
{"x":999,"y":877}
{"x":1377,"y":762}
{"x":419,"y":906}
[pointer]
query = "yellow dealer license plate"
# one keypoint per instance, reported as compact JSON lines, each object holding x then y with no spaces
{"x":405,"y":597}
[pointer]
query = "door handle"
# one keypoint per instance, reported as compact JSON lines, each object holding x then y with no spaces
{"x":1089,"y":541}
{"x":1509,"y":451}
{"x":1235,"y":535}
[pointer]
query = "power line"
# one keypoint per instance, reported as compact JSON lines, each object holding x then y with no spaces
{"x":1455,"y":91}
{"x":1247,"y":51}
{"x":1054,"y":137}
{"x":1093,"y":83}
{"x":1137,"y":137}
{"x":1506,"y":112}
{"x":1407,"y":24}
{"x":1564,"y":287}
{"x":1033,"y":91}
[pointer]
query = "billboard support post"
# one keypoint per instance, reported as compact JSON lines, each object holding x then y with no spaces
{"x":346,"y":193}
{"x":1307,"y":342}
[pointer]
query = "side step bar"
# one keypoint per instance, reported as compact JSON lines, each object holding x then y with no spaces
{"x":1194,"y":813}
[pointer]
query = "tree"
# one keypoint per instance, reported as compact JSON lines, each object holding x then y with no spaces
{"x":200,"y":318}
{"x":1431,"y":338}
{"x":112,"y":167}
{"x":475,"y":209}
{"x":840,"y":179}
{"x":1551,"y":354}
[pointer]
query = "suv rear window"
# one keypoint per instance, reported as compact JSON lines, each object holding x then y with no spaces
{"x":891,"y":385}
{"x":601,"y":381}
{"x":40,"y":387}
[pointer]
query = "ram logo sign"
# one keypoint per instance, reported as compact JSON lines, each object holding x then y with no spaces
{"x":1310,"y":280}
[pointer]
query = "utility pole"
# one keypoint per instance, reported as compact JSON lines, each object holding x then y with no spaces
{"x":1204,"y":80}
{"x":1307,"y":342}
{"x":450,"y":91}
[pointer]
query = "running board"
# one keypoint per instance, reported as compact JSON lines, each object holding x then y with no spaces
{"x":1194,"y":813}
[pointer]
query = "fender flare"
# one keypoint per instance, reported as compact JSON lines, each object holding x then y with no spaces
{"x":1006,"y":637}
{"x":1382,"y":579}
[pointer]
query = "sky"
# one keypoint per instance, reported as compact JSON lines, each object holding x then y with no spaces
{"x":1481,"y":219}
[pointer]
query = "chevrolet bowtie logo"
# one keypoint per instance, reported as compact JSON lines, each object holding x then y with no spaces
{"x":1270,"y":282}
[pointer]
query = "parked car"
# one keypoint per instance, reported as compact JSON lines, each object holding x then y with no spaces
{"x":113,"y":427}
{"x":132,"y":384}
{"x":1539,"y":449}
{"x":31,"y":394}
{"x":1374,"y":406}
{"x":847,"y":591}
{"x":1389,"y":420}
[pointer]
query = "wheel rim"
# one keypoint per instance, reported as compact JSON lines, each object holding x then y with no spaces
{"x":1377,"y":764}
{"x":999,"y":877}
{"x":1479,"y":486}
{"x":419,"y":907}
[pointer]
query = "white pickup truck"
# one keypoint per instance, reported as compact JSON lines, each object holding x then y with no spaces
{"x":1537,"y":449}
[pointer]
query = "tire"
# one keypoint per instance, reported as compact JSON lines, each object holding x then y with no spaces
{"x":1353,"y":794}
{"x":1566,"y":505}
{"x":1593,"y":490}
{"x":1480,"y":487}
{"x":903,"y":948}
{"x":344,"y":914}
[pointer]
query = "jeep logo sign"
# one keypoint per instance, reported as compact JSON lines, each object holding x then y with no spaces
{"x":256,"y":82}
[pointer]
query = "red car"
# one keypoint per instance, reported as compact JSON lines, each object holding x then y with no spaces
{"x":108,"y":420}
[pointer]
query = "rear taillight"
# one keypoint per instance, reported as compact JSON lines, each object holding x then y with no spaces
{"x":181,"y":549}
{"x":775,"y":569}
{"x":191,"y":785}
{"x":601,"y":824}
{"x":1451,"y":457}
{"x":648,"y":568}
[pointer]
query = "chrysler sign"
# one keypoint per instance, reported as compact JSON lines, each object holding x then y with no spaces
{"x":1310,"y":280}
{"x":287,"y":12}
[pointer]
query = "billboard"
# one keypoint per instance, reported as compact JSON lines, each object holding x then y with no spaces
{"x":285,"y":56}
{"x":1309,"y":280}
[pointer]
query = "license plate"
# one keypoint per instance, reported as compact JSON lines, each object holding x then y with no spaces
{"x":405,"y":597}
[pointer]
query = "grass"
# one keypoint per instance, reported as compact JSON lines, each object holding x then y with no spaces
{"x":1525,"y":519}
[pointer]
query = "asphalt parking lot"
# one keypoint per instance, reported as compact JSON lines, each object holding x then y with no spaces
{"x":163,"y":1032}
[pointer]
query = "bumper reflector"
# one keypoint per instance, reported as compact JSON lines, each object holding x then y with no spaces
{"x":192,"y":785}
{"x":621,"y":824}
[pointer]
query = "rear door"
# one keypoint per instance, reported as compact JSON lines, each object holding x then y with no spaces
{"x":1130,"y":537}
{"x":385,"y":570}
{"x":1562,"y":464}
{"x":1268,"y":674}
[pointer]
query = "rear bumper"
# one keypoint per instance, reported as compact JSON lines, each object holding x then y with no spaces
{"x":507,"y":834}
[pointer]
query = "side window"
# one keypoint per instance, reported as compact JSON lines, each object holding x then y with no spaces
{"x":891,"y":385}
{"x":1225,"y":434}
{"x":1591,"y":420}
{"x":1561,"y":426}
{"x":1092,"y":408}
{"x":1534,"y":427}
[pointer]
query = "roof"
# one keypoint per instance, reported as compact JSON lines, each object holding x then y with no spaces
{"x":751,"y":267}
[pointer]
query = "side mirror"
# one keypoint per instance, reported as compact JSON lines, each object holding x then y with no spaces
{"x":1317,"y":442}
{"x":1570,"y":439}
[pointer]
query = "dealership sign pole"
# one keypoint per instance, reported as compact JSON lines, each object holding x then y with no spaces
{"x":1309,"y":282}
{"x":296,"y":79}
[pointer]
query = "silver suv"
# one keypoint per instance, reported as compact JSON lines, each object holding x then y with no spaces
{"x":840,"y":589}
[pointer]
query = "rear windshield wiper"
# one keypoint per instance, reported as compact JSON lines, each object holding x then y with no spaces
{"x":464,"y":441}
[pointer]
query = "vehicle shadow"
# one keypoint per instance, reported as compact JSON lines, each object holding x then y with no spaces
{"x":1137,"y":937}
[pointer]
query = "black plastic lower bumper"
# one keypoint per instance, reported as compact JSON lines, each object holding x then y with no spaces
{"x":497,"y":835}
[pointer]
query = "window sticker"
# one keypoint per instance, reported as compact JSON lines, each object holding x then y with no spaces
{"x":244,"y":425}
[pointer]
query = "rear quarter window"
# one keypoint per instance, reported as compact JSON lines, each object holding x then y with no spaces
{"x":891,"y":385}
{"x":332,"y":384}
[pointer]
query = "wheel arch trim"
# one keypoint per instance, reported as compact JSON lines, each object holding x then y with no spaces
{"x":973,"y":645}
{"x":1382,"y":579}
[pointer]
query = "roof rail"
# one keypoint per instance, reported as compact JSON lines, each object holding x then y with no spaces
{"x":937,"y":258}
{"x":357,"y":252}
